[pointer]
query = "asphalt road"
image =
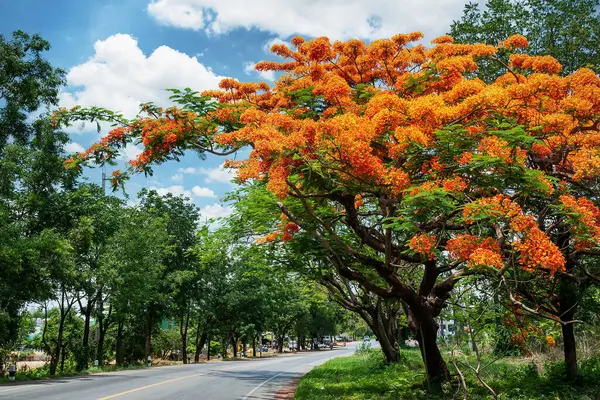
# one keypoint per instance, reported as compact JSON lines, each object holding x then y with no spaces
{"x":259,"y":379}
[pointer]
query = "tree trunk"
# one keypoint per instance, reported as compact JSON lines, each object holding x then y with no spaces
{"x":63,"y":356}
{"x":58,"y":349}
{"x":254,"y":346}
{"x":570,"y":350}
{"x":568,"y":303}
{"x":148,"y":347}
{"x":425,"y":329}
{"x":224,"y":347}
{"x":280,"y":343}
{"x":200,"y":344}
{"x":383,"y":321}
{"x":208,"y":351}
{"x":234,"y":345}
{"x":387,"y":334}
{"x":82,"y":360}
{"x":61,"y":326}
{"x":103,"y":328}
{"x":183,"y":330}
{"x":119,"y":344}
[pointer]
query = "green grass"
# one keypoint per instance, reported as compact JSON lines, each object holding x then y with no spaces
{"x":366,"y":376}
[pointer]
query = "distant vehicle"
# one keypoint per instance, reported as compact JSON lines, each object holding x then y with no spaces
{"x":366,"y":339}
{"x":292,"y":344}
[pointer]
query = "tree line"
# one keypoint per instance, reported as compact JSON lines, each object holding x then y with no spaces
{"x":112,"y":280}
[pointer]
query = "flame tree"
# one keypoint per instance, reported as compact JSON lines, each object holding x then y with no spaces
{"x":397,"y":157}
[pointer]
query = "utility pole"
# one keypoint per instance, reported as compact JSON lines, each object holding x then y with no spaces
{"x":104,"y":179}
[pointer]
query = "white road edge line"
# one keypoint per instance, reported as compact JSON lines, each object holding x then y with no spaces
{"x":281,"y":373}
{"x":260,"y":385}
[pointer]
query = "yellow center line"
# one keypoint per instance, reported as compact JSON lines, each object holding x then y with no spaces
{"x":148,"y":386}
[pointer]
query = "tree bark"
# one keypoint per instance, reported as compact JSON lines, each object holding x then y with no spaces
{"x":57,"y":349}
{"x":208,"y":351}
{"x":570,"y":350}
{"x":148,"y":347}
{"x":119,"y":344}
{"x":64,"y":310}
{"x":234,"y":346}
{"x":280,"y":343}
{"x":425,"y":328}
{"x":103,"y":328}
{"x":183,"y":330}
{"x":383,"y":321}
{"x":567,"y":296}
{"x":82,"y":360}
{"x":200,"y":344}
{"x":224,"y":346}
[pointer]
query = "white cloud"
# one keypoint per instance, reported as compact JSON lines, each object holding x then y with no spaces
{"x":214,"y":211}
{"x":203,"y":192}
{"x":177,"y":178}
{"x":130,"y":152}
{"x":269,"y":43}
{"x":119,"y":76}
{"x":266,"y":75}
{"x":218,"y":174}
{"x":176,"y":190}
{"x":179,"y":190}
{"x":338,"y":19}
{"x":188,"y":170}
{"x":73,"y":147}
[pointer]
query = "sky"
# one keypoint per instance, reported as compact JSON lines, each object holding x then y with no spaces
{"x":121,"y":53}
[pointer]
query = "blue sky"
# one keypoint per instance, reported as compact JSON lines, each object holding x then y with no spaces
{"x":120,"y":53}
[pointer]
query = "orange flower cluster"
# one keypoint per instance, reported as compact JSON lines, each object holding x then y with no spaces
{"x":495,"y":147}
{"x":515,"y":42}
{"x":285,"y":233}
{"x":523,"y":330}
{"x":423,"y":244}
{"x":585,"y":220}
{"x":536,"y":249}
{"x":476,"y":251}
{"x":358,"y":201}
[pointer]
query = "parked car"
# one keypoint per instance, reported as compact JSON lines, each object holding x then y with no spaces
{"x":292,"y":344}
{"x":366,"y":339}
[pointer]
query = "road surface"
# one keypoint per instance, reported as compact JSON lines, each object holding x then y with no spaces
{"x":259,"y":379}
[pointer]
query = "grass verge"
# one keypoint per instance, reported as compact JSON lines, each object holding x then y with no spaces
{"x":44,"y":372}
{"x":367,"y":376}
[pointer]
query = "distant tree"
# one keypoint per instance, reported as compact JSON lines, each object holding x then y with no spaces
{"x":134,"y":269}
{"x":181,"y":274}
{"x":568,"y":30}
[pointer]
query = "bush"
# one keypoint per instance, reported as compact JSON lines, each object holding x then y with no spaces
{"x":215,"y":348}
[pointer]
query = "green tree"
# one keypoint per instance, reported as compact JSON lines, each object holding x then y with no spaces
{"x":181,"y":274}
{"x":568,"y":30}
{"x":134,"y":268}
{"x":29,"y":175}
